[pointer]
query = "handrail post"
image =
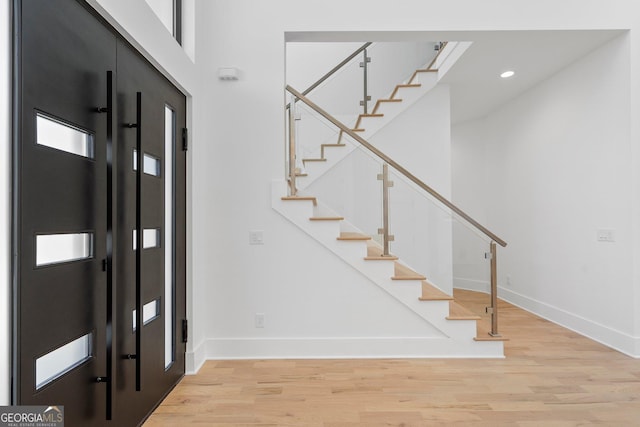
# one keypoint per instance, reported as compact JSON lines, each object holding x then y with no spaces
{"x":364,"y":66}
{"x":494,"y":290}
{"x":386,"y":184}
{"x":292,"y":148}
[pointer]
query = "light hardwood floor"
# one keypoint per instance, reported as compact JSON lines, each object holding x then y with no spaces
{"x":550,"y":377}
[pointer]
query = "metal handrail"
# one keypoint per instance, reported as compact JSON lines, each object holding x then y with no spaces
{"x":435,"y":58}
{"x":397,"y":166}
{"x":333,"y":70}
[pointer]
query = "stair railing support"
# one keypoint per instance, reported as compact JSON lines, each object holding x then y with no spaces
{"x":292,"y":148}
{"x":364,"y":65}
{"x":386,"y":185}
{"x":493,"y":253}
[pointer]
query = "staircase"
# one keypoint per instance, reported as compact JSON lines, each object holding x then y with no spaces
{"x":459,"y":332}
{"x":458,"y":326}
{"x":384,"y":111}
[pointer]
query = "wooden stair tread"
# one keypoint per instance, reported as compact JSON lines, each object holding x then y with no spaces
{"x":314,"y":160}
{"x":362,"y":116}
{"x":302,"y":174}
{"x":380,"y":101}
{"x":482,"y":333}
{"x":375,"y":252}
{"x":299,"y":198}
{"x":357,"y":130}
{"x":408,"y":85}
{"x":402,"y":272}
{"x":381,"y":258}
{"x":431,"y":293}
{"x":326,"y":218}
{"x":350,"y":235}
{"x":415,"y":73}
{"x":323,"y":146}
{"x":458,"y":312}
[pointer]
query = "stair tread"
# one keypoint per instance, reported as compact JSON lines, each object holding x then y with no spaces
{"x":333,"y":145}
{"x":357,"y":130}
{"x":375,"y":252}
{"x":431,"y":293}
{"x":380,"y":101}
{"x":372,"y":115}
{"x":401,"y":86}
{"x":314,"y":160}
{"x":350,"y":235}
{"x":326,"y":218}
{"x":416,"y":72}
{"x":301,"y":198}
{"x":458,"y":312}
{"x":482,"y":333}
{"x":402,"y":272}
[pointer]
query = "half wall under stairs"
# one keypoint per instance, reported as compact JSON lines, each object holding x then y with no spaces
{"x":456,"y":331}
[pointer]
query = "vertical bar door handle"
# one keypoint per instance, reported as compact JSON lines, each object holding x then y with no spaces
{"x":139,"y":242}
{"x":109,"y":260}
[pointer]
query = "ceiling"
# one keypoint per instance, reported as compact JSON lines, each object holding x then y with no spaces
{"x":476,"y":86}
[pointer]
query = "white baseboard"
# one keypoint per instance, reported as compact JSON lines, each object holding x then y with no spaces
{"x":339,"y":348}
{"x":617,"y":340}
{"x":196,"y":358}
{"x":471,"y":285}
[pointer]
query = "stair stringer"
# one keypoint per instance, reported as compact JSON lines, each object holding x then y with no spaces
{"x":371,"y":125}
{"x":458,"y":335}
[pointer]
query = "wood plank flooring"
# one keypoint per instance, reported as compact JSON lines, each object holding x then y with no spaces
{"x":550,"y":377}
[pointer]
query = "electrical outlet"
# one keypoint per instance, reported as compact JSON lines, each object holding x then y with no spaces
{"x":259,"y":319}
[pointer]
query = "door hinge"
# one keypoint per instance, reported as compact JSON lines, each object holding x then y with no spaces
{"x":185,"y":139}
{"x":185,"y":330}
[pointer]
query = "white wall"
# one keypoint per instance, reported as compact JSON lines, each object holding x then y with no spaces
{"x":551,"y":168}
{"x":469,"y":166}
{"x":5,"y":204}
{"x":245,"y":128}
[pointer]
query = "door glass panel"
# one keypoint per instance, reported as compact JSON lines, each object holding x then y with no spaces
{"x":57,"y":248}
{"x":62,"y":360}
{"x":55,"y":134}
{"x":150,"y":164}
{"x":150,"y":238}
{"x":169,"y":143}
{"x":150,"y":311}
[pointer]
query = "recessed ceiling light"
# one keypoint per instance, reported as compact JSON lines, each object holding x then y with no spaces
{"x":507,"y":74}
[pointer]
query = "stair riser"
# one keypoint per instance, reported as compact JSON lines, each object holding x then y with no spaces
{"x":315,"y":170}
{"x":426,"y":79}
